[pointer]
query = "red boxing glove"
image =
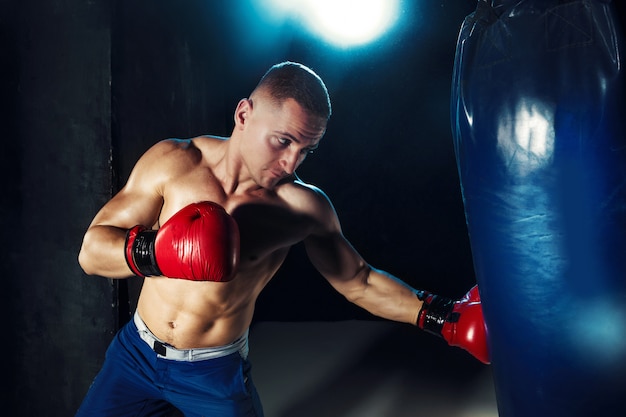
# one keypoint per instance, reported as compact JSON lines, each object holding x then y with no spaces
{"x":199,"y":243}
{"x":460,"y":323}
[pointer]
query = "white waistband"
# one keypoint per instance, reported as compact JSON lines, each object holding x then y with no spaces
{"x":166,"y":351}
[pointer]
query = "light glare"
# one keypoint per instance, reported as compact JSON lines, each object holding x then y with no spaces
{"x":342,"y":22}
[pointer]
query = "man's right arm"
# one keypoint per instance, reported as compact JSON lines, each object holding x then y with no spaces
{"x":138,"y":202}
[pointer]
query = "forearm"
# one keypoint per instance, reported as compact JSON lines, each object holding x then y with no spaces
{"x":102,"y":252}
{"x":386,"y":296}
{"x":460,"y":323}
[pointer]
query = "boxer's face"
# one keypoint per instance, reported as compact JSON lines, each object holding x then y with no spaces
{"x":278,"y":138}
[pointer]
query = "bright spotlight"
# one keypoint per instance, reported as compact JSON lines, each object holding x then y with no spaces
{"x":343,"y":23}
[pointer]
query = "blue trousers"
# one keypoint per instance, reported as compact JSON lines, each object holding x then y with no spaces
{"x":134,"y":381}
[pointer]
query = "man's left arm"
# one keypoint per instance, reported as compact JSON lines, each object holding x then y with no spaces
{"x":459,"y":322}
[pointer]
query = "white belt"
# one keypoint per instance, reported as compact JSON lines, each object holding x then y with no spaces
{"x":190,"y":355}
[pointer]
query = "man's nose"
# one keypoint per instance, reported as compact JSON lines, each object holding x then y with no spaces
{"x":290,"y":161}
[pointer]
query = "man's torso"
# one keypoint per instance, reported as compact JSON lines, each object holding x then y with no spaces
{"x":188,"y":314}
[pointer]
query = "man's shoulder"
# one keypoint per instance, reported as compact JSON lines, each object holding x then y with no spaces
{"x":208,"y":140}
{"x":188,"y":151}
{"x":302,"y":195}
{"x":190,"y":145}
{"x":294,"y":184}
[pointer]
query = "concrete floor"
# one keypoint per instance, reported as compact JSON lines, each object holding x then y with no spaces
{"x":365,"y":369}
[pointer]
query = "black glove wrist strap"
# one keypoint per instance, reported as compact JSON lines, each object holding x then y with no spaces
{"x":436,"y":311}
{"x":143,"y":253}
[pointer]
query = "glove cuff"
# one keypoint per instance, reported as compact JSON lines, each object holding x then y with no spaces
{"x":139,"y":251}
{"x":434,"y":313}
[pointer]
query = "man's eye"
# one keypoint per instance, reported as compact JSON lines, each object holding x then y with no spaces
{"x":283,"y":141}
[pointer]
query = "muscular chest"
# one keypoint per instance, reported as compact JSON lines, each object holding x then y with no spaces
{"x":268,"y":224}
{"x":267,"y":228}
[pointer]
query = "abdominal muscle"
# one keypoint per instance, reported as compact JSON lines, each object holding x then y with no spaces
{"x":191,"y":314}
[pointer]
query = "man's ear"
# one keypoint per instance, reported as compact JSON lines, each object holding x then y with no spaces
{"x":242,"y":112}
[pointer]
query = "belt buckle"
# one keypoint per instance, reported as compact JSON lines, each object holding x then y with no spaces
{"x":159,"y":348}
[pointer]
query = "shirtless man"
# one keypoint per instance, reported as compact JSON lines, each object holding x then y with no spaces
{"x":227,"y":210}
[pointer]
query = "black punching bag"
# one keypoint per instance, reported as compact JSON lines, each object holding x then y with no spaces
{"x":539,"y":134}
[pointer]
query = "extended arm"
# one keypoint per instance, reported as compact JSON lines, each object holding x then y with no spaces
{"x":376,"y":291}
{"x":335,"y":258}
{"x":460,"y":323}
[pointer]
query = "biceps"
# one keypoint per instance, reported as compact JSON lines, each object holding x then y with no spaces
{"x":129,"y":208}
{"x":335,"y":258}
{"x":141,"y":199}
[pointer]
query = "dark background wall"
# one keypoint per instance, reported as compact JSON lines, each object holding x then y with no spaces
{"x":55,"y":59}
{"x":87,"y":86}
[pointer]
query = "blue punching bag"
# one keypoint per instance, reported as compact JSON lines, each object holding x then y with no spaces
{"x":540,"y":140}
